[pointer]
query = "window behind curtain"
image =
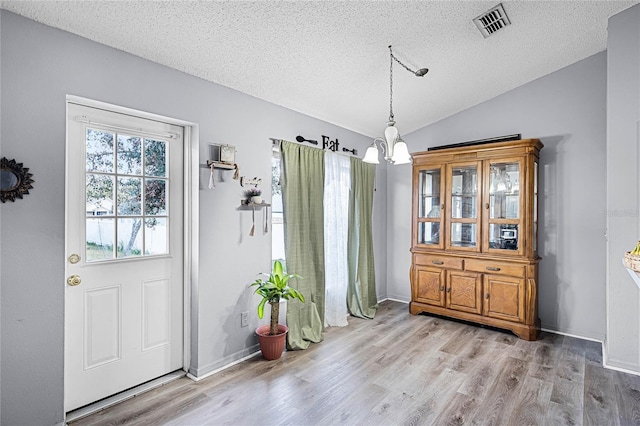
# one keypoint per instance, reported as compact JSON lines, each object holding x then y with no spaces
{"x":277,"y":224}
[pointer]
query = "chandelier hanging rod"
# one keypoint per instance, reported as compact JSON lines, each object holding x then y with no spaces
{"x":395,"y":149}
{"x":419,"y":73}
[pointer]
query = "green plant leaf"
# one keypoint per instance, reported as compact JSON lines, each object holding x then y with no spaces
{"x":277,"y":268}
{"x":295,"y":293}
{"x":261,"y":307}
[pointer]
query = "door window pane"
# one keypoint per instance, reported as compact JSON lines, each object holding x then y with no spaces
{"x":99,"y":239}
{"x":464,"y":190}
{"x":99,"y":195}
{"x":129,"y":155}
{"x":155,"y":197}
{"x":129,"y":196}
{"x":503,"y":236}
{"x":429,"y":193}
{"x":463,"y":234}
{"x":504,"y":191}
{"x":155,"y":158}
{"x":129,"y":237}
{"x":155,"y":236}
{"x":100,"y":154}
{"x":429,"y":233}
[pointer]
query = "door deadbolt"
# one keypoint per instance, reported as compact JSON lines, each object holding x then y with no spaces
{"x":74,"y":258}
{"x":74,"y":280}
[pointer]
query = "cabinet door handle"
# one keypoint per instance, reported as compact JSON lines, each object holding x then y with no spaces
{"x":492,"y":268}
{"x":486,"y":296}
{"x":441,"y":207}
{"x":441,"y":287}
{"x":486,"y":206}
{"x":448,"y":289}
{"x":437,"y":262}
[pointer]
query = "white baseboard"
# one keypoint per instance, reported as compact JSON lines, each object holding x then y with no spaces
{"x":202,"y":373}
{"x":623,"y":367}
{"x":606,"y":364}
{"x":571,"y":335}
{"x":393,"y":300}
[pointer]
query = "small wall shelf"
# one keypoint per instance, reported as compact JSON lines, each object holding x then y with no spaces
{"x":219,"y":165}
{"x":246,"y":205}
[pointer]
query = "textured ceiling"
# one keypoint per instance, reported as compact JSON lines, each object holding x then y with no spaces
{"x":329,"y":59}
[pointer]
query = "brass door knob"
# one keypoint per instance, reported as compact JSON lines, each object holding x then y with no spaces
{"x":74,"y":280}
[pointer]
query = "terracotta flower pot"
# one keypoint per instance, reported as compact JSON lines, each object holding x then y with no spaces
{"x":272,"y":346}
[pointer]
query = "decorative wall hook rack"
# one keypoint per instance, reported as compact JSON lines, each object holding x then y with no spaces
{"x":219,"y":165}
{"x":222,"y":157}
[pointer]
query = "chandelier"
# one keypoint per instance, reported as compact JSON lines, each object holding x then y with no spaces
{"x":395,"y":149}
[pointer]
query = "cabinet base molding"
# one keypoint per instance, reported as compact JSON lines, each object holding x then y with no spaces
{"x":523,"y":331}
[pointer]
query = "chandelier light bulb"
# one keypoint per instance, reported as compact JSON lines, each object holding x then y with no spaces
{"x":371,"y":156}
{"x":401,"y":153}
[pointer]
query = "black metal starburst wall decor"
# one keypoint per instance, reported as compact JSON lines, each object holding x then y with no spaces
{"x":15,"y":180}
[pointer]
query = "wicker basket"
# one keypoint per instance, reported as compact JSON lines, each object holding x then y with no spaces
{"x":632,"y":261}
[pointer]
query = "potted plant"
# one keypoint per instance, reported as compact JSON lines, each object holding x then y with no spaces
{"x":253,"y":195}
{"x":272,"y":337}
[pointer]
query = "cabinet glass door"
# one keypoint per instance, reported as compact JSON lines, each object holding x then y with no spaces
{"x":464,"y":205}
{"x":504,"y":206}
{"x":430,"y":206}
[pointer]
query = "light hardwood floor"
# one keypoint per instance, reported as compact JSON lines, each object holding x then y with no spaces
{"x":400,"y":369}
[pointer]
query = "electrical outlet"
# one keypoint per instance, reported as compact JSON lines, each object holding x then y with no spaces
{"x":244,"y":319}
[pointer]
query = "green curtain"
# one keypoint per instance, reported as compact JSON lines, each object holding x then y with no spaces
{"x":362,"y":300}
{"x":302,"y":180}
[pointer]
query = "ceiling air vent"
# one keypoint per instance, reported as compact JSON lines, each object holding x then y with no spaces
{"x":493,"y":20}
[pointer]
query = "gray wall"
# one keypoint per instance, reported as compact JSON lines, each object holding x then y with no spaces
{"x":0,"y":215}
{"x":623,"y":138}
{"x":39,"y":67}
{"x":566,"y":110}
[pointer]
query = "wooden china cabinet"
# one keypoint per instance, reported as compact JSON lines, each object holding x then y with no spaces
{"x":474,"y":244}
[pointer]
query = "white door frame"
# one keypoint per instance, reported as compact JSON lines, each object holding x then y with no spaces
{"x":191,"y":205}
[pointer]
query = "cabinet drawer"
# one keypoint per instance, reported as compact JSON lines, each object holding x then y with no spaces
{"x":438,"y":261}
{"x":495,"y":268}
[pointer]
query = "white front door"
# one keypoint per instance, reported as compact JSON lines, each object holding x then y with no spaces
{"x":124,"y":242}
